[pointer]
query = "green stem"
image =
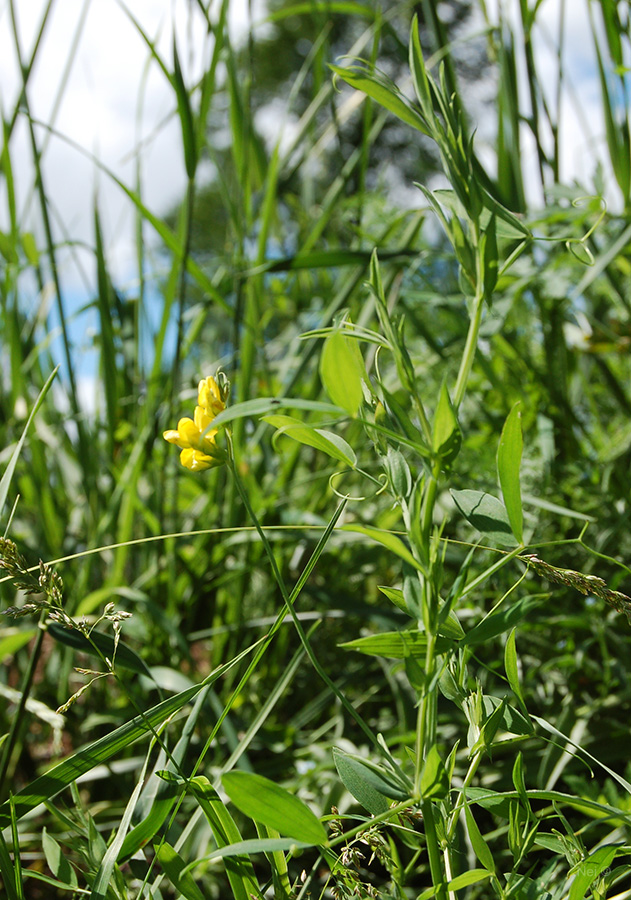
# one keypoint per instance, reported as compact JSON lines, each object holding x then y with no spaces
{"x":18,"y":718}
{"x":469,"y":351}
{"x":473,"y":767}
{"x":433,"y":851}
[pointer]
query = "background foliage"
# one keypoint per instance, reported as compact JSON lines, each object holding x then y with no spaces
{"x":493,"y":285}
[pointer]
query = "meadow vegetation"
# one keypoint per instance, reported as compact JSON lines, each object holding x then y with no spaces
{"x":369,"y":639}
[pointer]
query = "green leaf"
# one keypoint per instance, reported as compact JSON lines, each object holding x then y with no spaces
{"x":342,"y":371}
{"x":57,"y":862}
{"x":591,"y":867}
{"x":100,"y":644}
{"x":396,"y":595}
{"x":174,"y":868}
{"x":383,"y":93}
{"x":499,"y":803}
{"x":237,"y":863}
{"x":434,"y":780}
{"x":480,"y":846}
{"x":343,"y":7}
{"x":391,"y":541}
{"x":29,"y":246}
{"x":8,"y":872}
{"x":490,"y":259}
{"x":147,"y":829}
{"x":396,"y":644}
{"x":7,"y":249}
{"x":508,"y":462}
{"x":186,"y":116}
{"x":460,"y":881}
{"x":512,"y":672}
{"x":268,"y":803}
{"x":419,"y":73}
{"x":367,"y":786}
{"x":262,"y":405}
{"x":487,"y":514}
{"x":446,"y":437}
{"x":331,"y":444}
{"x":255,"y":845}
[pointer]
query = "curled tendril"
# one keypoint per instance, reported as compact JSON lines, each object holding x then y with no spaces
{"x":382,"y":480}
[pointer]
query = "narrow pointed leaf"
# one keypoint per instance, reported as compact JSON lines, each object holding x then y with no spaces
{"x":508,"y":463}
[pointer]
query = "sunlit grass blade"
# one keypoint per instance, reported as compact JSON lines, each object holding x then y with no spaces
{"x":5,"y":482}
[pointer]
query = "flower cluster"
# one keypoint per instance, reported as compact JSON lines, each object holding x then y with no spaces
{"x":196,"y":437}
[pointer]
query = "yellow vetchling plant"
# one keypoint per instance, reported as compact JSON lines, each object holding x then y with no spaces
{"x":196,"y":437}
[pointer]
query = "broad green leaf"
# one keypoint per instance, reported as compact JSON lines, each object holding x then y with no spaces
{"x":342,"y":371}
{"x":487,"y":514}
{"x":591,"y":867}
{"x":480,"y":846}
{"x":512,"y":672}
{"x":329,"y":443}
{"x":56,"y":860}
{"x":363,"y":783}
{"x":446,"y":437}
{"x":396,"y":644}
{"x":434,"y":780}
{"x":266,"y":802}
{"x":398,"y":473}
{"x":391,"y":541}
{"x":508,"y":463}
{"x":174,"y":868}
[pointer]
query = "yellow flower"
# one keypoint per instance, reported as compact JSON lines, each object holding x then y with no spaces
{"x":194,"y":436}
{"x":212,"y":397}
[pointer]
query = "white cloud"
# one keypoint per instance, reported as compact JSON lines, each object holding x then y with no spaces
{"x":115,"y":97}
{"x":581,"y":133}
